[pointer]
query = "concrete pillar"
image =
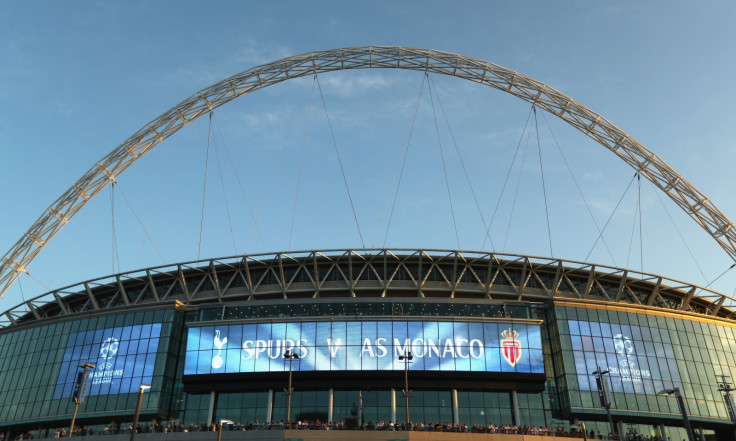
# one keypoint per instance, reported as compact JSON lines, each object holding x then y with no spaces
{"x":211,"y":411}
{"x":621,"y":429}
{"x":455,"y":412}
{"x":331,"y":401}
{"x":393,"y":405}
{"x":269,"y":406}
{"x":515,"y":404}
{"x":662,"y":432}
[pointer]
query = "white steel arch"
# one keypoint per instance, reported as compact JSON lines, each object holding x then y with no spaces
{"x":592,"y":124}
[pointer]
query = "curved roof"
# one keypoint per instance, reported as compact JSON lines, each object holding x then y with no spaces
{"x":374,"y":273}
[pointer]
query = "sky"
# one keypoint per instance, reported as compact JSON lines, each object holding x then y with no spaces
{"x":78,"y":78}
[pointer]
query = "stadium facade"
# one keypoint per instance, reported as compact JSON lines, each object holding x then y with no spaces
{"x":497,"y":338}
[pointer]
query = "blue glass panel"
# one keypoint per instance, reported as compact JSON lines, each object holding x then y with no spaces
{"x":355,"y":332}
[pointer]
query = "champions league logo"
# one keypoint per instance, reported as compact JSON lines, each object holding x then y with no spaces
{"x":623,"y":345}
{"x":109,"y":348}
{"x":627,"y":360}
{"x":105,"y":371}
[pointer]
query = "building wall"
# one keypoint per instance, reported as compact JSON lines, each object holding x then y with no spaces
{"x":666,"y":349}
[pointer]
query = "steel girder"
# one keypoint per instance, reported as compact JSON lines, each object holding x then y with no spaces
{"x":592,"y":124}
{"x":378,"y":274}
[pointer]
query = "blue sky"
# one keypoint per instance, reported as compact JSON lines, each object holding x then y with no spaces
{"x":78,"y":78}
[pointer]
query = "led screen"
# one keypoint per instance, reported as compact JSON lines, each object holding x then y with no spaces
{"x":124,"y":358}
{"x":638,"y":359}
{"x":364,"y":345}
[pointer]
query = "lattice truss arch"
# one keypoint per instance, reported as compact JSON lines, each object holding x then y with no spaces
{"x":378,"y":274}
{"x":592,"y":124}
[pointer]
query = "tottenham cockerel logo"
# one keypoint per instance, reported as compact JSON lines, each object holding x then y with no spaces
{"x":109,"y":348}
{"x":511,"y":347}
{"x":219,"y":343}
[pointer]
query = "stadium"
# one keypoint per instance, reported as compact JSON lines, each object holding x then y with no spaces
{"x":476,"y":338}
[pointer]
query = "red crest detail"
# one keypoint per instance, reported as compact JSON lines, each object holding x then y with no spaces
{"x":511,"y":347}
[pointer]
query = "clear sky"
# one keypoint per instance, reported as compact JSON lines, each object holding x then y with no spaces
{"x":78,"y":78}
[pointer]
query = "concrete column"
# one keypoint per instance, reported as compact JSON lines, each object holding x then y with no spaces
{"x":211,"y":411}
{"x":662,"y":432}
{"x":621,"y":429}
{"x":515,"y":404}
{"x":269,"y":406}
{"x":455,"y":412}
{"x":331,"y":402}
{"x":393,"y":405}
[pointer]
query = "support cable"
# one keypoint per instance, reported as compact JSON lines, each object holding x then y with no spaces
{"x":339,"y":160}
{"x":580,"y":191}
{"x":462,"y":163}
{"x":544,"y":187}
{"x":256,"y":228}
{"x":204,"y":187}
{"x":166,"y":194}
{"x":22,"y":295}
{"x":516,"y":192}
{"x":114,"y":251}
{"x":682,"y":238}
{"x":38,"y":281}
{"x":148,"y":235}
{"x":227,"y":204}
{"x":403,"y":162}
{"x":610,"y":217}
{"x":633,"y":231}
{"x":721,"y":275}
{"x":641,"y":236}
{"x":444,"y":165}
{"x":505,"y":182}
{"x":301,"y":163}
{"x":240,"y":184}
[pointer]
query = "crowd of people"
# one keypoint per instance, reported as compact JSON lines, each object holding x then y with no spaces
{"x":158,"y":427}
{"x":319,"y":425}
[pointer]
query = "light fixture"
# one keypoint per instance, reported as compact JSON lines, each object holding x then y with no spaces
{"x":603,"y":394}
{"x":581,"y":424}
{"x":676,"y":392}
{"x":219,"y":432}
{"x":80,"y":391}
{"x":406,"y":359}
{"x":290,"y":355}
{"x":143,"y":387}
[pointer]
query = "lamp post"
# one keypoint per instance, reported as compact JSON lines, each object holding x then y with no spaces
{"x":406,"y":358}
{"x":681,"y":403}
{"x":138,"y":410}
{"x":725,"y":387}
{"x":219,"y":432}
{"x":582,"y":424}
{"x":291,"y":356}
{"x":605,"y":402}
{"x":80,"y":392}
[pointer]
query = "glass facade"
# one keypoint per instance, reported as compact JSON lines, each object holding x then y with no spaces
{"x":643,"y":351}
{"x":645,"y":354}
{"x":39,"y":366}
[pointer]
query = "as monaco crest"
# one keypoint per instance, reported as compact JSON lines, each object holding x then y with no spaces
{"x":511,"y":347}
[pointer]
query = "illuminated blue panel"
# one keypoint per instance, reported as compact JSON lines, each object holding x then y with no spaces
{"x":622,"y":351}
{"x":365,"y":346}
{"x":124,"y":358}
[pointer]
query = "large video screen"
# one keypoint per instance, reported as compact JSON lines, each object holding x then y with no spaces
{"x":638,"y":359}
{"x":124,"y":359}
{"x":364,"y":346}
